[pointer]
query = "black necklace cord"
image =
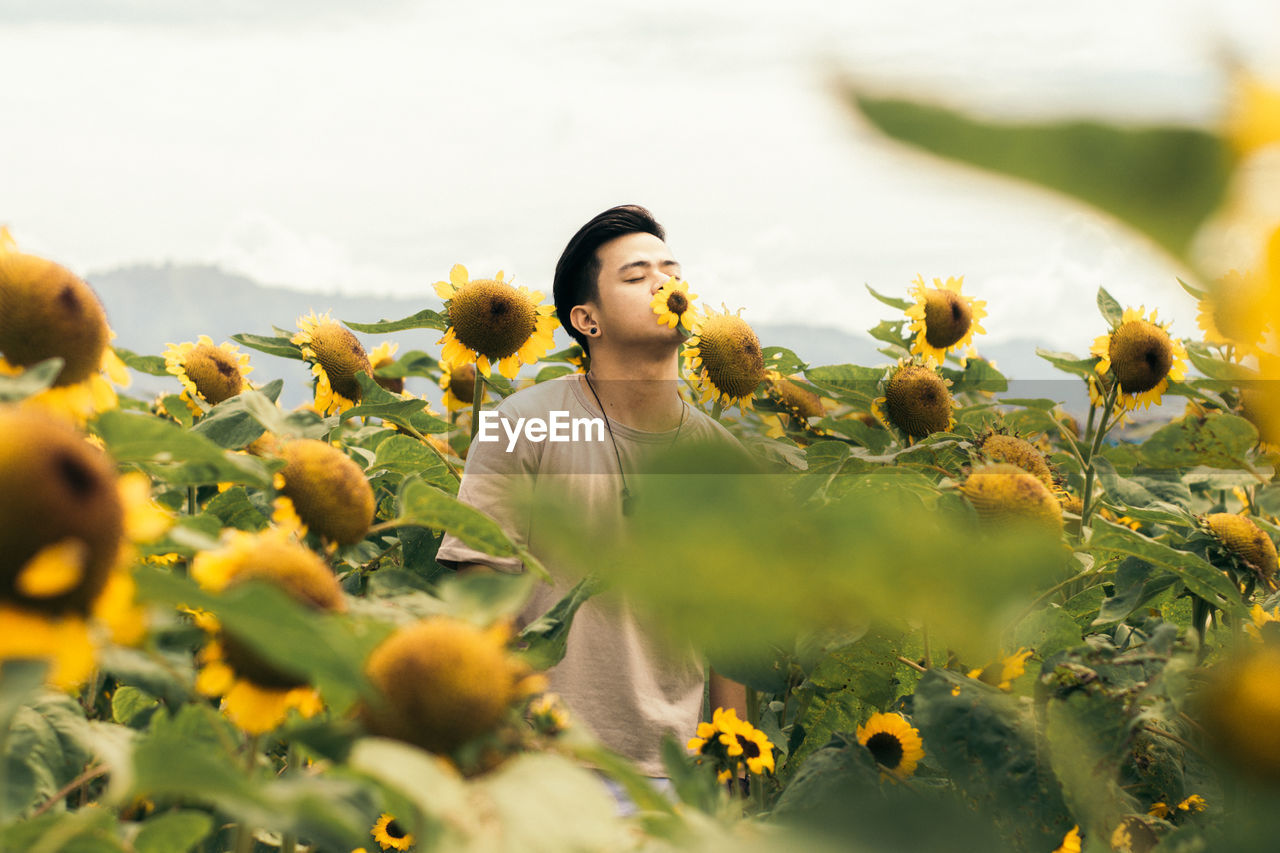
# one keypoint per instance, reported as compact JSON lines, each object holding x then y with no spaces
{"x":628,"y":502}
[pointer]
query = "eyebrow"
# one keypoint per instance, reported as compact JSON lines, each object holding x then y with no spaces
{"x":667,"y":263}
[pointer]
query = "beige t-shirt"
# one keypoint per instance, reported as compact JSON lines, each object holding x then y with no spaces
{"x":618,"y":679}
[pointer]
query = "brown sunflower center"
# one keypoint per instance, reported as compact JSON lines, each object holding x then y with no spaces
{"x":947,"y":318}
{"x":731,"y":356}
{"x":46,"y":312}
{"x":394,"y":384}
{"x":886,"y":749}
{"x":462,"y":382}
{"x":750,"y":749}
{"x":342,"y":356}
{"x":1141,"y":355}
{"x":1002,"y":491}
{"x":492,"y":318}
{"x":249,"y":665}
{"x":677,"y":302}
{"x":214,"y":372}
{"x":917,"y":401}
{"x":394,"y":830}
{"x":58,"y":490}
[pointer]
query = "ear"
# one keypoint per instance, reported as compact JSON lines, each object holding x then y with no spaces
{"x":583,"y":318}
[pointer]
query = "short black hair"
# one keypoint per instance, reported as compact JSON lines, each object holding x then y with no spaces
{"x":578,"y":270}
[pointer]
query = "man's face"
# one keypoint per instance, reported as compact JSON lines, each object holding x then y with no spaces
{"x":632,"y":268}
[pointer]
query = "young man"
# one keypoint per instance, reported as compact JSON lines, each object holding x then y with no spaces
{"x":618,"y":679}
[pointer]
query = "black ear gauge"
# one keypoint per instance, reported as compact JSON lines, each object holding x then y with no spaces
{"x":594,"y":330}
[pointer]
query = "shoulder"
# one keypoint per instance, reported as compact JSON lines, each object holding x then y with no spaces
{"x":706,"y":428}
{"x":538,"y":400}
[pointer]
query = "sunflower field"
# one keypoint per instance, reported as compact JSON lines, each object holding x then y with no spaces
{"x":965,"y":619}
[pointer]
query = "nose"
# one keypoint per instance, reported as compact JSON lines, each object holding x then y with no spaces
{"x":660,"y":281}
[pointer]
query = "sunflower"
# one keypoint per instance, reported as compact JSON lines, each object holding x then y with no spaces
{"x":799,"y":401}
{"x":1003,"y":672}
{"x":1000,"y":447}
{"x":384,"y":355}
{"x":548,"y":715}
{"x":46,"y":311}
{"x":458,"y":383}
{"x":490,"y":321}
{"x":1260,"y":619}
{"x":390,"y":835}
{"x":713,"y":740}
{"x":1142,"y":357}
{"x":725,"y":359}
{"x":1001,"y":492}
{"x":445,"y":682}
{"x":211,"y":373}
{"x":673,"y":303}
{"x":1233,"y":314}
{"x":1253,"y":121}
{"x":1246,"y":541}
{"x":256,"y":694}
{"x":750,"y":745}
{"x":894,"y":744}
{"x":1261,"y":407}
{"x":1240,"y":711}
{"x":336,"y":357}
{"x":1070,"y":842}
{"x":329,"y":491}
{"x":917,"y":400}
{"x":66,"y":527}
{"x":943,"y":318}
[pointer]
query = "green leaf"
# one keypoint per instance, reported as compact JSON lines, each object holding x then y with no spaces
{"x":413,"y":363}
{"x":282,"y":347}
{"x":327,"y":649}
{"x":1217,"y":440}
{"x":1133,"y":585}
{"x":151,"y":364}
{"x":176,"y":407}
{"x":48,"y":743}
{"x":546,"y":638}
{"x":892,"y":302}
{"x":406,"y":456}
{"x":178,"y":456}
{"x":846,"y":687}
{"x":31,"y":381}
{"x":424,"y":319}
{"x":1215,"y":367}
{"x":978,"y":375}
{"x":1163,"y":181}
{"x":553,"y":371}
{"x":1195,"y":292}
{"x":847,"y":379}
{"x":132,"y":707}
{"x":378,"y":402}
{"x":173,"y":832}
{"x":1110,"y":308}
{"x":987,"y":745}
{"x":783,"y":360}
{"x":1083,"y":367}
{"x":891,"y":332}
{"x":234,"y":509}
{"x":484,"y":598}
{"x":694,"y":784}
{"x":1199,"y":576}
{"x":1047,"y":631}
{"x":428,"y":506}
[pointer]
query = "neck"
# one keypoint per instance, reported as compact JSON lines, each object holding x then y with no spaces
{"x":638,"y":391}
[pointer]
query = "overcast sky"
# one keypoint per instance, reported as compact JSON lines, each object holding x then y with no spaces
{"x":367,"y":147}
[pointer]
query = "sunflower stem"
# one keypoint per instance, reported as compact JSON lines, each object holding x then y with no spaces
{"x":717,"y":408}
{"x":289,"y":843}
{"x":477,"y":401}
{"x":244,"y":833}
{"x":1086,"y":501}
{"x":924,"y":641}
{"x":753,"y":707}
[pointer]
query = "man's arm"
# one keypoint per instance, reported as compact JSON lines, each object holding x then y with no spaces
{"x":728,"y":694}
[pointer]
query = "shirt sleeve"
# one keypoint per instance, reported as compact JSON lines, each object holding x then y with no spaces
{"x":499,"y":483}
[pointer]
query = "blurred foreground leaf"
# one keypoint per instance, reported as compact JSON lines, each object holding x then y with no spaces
{"x":1163,"y":181}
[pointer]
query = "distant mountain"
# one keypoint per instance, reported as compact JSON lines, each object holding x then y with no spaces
{"x":152,"y":306}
